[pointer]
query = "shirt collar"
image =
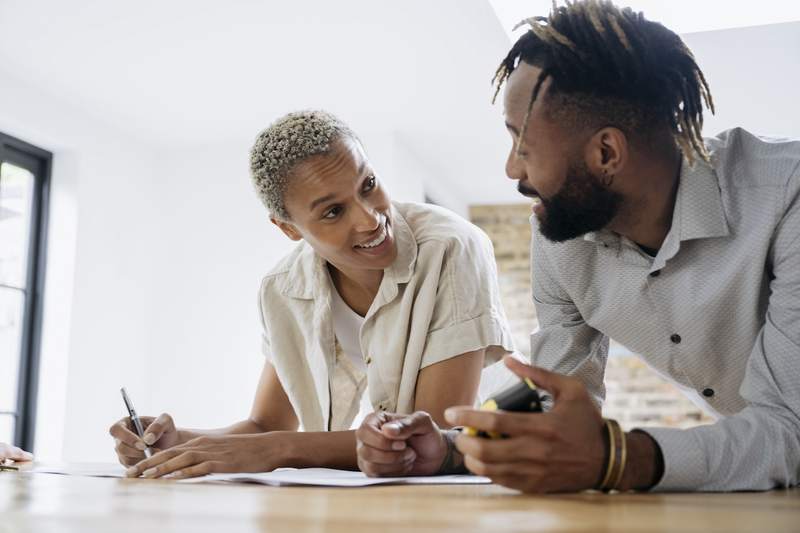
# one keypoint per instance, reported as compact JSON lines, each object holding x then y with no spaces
{"x":698,"y":211}
{"x":307,"y":276}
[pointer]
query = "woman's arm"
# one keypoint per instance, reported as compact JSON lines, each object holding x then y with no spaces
{"x":450,"y":382}
{"x":271,"y":411}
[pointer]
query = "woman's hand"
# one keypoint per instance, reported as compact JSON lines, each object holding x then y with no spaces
{"x":160,"y":433}
{"x":212,"y":454}
{"x":400,"y":445}
{"x":13,"y":453}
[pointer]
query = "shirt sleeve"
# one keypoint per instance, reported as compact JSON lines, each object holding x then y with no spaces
{"x":564,"y":342}
{"x":266,"y":350}
{"x":759,"y":447}
{"x":468,"y":314}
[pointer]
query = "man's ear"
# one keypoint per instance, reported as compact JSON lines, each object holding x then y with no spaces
{"x":607,"y":153}
{"x":288,"y":229}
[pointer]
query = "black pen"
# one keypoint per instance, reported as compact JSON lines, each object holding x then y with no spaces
{"x":135,"y":420}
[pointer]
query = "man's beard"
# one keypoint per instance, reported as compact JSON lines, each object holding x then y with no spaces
{"x":583,"y":204}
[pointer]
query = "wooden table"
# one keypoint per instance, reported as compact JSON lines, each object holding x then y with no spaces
{"x":44,"y":503}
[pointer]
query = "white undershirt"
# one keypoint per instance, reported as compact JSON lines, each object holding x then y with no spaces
{"x":347,"y":328}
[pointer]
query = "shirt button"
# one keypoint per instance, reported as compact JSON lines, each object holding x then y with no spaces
{"x":675,"y":338}
{"x":368,"y":360}
{"x":655,"y":274}
{"x":708,"y":393}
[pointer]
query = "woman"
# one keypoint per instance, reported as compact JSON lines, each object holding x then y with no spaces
{"x":382,"y":306}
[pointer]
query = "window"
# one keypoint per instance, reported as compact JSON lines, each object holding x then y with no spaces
{"x":24,"y":180}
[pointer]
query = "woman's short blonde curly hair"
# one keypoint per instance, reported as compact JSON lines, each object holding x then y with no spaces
{"x":287,"y":142}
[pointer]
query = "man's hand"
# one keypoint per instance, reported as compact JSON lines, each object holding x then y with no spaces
{"x":400,"y":445}
{"x":160,"y":433}
{"x":558,"y":451}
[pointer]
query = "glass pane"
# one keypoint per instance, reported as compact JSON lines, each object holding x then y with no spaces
{"x":6,"y":428}
{"x":11,"y":309}
{"x":16,"y":194}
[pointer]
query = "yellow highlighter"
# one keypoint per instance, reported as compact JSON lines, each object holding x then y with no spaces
{"x":522,"y":398}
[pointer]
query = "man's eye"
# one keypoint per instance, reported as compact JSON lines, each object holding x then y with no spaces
{"x":369,"y":183}
{"x":333,"y":212}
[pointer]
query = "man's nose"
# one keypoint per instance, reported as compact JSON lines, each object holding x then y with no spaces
{"x":515,"y":170}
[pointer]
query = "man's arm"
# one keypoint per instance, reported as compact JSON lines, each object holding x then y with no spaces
{"x":759,"y":447}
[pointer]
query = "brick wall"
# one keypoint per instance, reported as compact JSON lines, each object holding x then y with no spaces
{"x":636,"y":396}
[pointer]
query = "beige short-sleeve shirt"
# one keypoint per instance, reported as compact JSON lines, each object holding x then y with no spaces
{"x":439,"y":299}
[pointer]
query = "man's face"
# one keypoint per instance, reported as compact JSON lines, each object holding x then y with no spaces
{"x":569,"y":200}
{"x":338,"y":206}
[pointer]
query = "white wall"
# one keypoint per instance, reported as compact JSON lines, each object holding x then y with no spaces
{"x":754,"y":75}
{"x":95,"y":327}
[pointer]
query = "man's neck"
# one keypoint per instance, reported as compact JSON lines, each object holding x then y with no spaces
{"x":646,"y":213}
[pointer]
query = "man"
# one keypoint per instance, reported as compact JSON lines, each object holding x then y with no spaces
{"x":686,"y":251}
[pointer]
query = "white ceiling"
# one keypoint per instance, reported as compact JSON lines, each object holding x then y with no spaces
{"x":183,"y":72}
{"x":681,"y":16}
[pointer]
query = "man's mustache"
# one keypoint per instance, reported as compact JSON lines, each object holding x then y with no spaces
{"x":527,"y":191}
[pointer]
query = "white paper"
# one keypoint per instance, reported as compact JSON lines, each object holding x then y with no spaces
{"x":326,"y":477}
{"x":81,"y":469}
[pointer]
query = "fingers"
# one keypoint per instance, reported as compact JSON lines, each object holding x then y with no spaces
{"x":382,"y":457}
{"x":174,"y":466}
{"x":15,"y":454}
{"x":499,"y":450}
{"x":370,"y":434}
{"x":379,"y":454}
{"x":157,"y":428}
{"x":506,"y":423}
{"x":404,"y":427}
{"x":197,"y":470}
{"x":126,"y":454}
{"x":156,"y":460}
{"x":122,"y":432}
{"x":557,"y":384}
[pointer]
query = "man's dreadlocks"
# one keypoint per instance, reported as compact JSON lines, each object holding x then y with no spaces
{"x":612,"y":67}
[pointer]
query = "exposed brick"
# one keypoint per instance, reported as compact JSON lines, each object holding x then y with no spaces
{"x":635,"y":395}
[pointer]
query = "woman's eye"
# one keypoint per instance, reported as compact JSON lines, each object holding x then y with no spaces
{"x":369,"y":183}
{"x":333,"y":212}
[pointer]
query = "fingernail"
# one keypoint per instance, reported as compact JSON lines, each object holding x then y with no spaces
{"x":450,"y":415}
{"x":131,"y":472}
{"x":149,"y":438}
{"x":394,"y":426}
{"x":140,"y":445}
{"x":117,"y":442}
{"x":149,"y":472}
{"x":398,"y":445}
{"x":409,"y":456}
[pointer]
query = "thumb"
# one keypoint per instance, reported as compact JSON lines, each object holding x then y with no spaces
{"x":555,"y":384}
{"x":403,"y":427}
{"x":157,"y":428}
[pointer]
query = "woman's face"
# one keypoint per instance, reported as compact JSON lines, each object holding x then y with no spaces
{"x":339,"y":207}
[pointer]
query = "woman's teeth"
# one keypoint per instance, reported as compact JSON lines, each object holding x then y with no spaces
{"x":376,"y":241}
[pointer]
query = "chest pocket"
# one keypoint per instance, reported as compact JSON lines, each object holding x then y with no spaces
{"x":347,"y":386}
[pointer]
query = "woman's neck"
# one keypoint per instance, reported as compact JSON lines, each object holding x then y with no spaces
{"x":357,"y":289}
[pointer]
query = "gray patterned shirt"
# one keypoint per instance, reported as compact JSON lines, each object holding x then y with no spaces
{"x":716,"y":311}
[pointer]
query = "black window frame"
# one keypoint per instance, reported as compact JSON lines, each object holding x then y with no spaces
{"x":39,"y":162}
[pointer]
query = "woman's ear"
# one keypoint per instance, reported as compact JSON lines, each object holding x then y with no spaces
{"x":607,"y":152}
{"x":288,"y":229}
